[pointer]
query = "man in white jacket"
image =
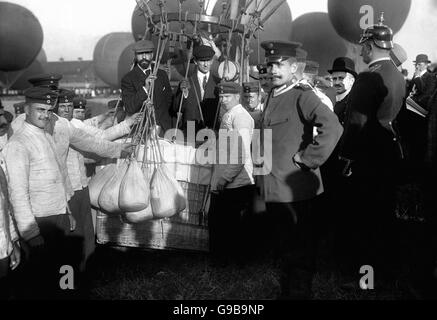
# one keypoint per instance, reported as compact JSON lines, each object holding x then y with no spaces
{"x":9,"y":246}
{"x":40,"y":187}
{"x":80,"y":202}
{"x":232,"y":181}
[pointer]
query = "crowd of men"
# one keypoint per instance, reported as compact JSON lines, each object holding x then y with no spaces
{"x":334,"y":156}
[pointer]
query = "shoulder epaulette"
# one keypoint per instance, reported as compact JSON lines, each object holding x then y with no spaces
{"x":303,"y":86}
{"x":375,"y":67}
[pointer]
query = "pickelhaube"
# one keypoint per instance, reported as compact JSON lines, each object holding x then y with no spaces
{"x":380,"y":34}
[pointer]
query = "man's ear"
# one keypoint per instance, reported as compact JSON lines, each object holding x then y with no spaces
{"x":27,"y":109}
{"x":293,"y":67}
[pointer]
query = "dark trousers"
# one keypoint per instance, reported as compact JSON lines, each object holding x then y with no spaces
{"x":40,"y":274}
{"x":82,"y":239}
{"x":226,"y":213}
{"x":372,"y":217}
{"x":4,"y":279}
{"x":294,"y":235}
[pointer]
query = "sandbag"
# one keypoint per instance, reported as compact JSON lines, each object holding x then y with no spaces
{"x":134,"y":189}
{"x":166,"y":195}
{"x":97,"y":182}
{"x":138,"y":217}
{"x":108,"y":198}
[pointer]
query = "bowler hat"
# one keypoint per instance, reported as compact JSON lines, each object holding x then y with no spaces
{"x":422,"y":58}
{"x":343,"y":64}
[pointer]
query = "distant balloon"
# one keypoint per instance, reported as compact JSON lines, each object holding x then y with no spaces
{"x":21,"y":37}
{"x":21,"y":83}
{"x":106,"y":56}
{"x":319,"y":39}
{"x":350,"y":17}
{"x":17,"y":80}
{"x":125,"y":61}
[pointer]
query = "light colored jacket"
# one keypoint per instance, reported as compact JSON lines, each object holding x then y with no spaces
{"x":234,"y":156}
{"x":8,"y":233}
{"x":36,"y":179}
{"x":66,"y":134}
{"x":76,"y":161}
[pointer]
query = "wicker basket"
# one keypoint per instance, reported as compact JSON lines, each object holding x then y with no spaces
{"x":187,"y":231}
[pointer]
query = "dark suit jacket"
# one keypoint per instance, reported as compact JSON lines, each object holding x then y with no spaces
{"x":190,"y":105}
{"x":133,"y":95}
{"x":425,"y":86}
{"x":374,"y":103}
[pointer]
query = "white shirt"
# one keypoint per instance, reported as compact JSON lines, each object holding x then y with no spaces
{"x":200,"y":77}
{"x":239,"y":172}
{"x":36,"y":179}
{"x":65,"y":133}
{"x":76,"y":161}
{"x":8,"y":233}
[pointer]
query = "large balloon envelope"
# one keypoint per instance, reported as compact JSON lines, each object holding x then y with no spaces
{"x":345,"y":15}
{"x":106,"y":56}
{"x":21,"y":37}
{"x":319,"y":39}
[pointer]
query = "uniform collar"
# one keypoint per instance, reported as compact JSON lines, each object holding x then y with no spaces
{"x":378,"y":60}
{"x":284,"y":88}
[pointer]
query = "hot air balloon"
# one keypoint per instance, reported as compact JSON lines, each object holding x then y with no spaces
{"x":107,"y":54}
{"x":350,"y":17}
{"x":37,"y":67}
{"x":319,"y":39}
{"x":21,"y":37}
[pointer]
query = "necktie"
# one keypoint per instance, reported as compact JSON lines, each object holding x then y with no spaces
{"x":204,"y":83}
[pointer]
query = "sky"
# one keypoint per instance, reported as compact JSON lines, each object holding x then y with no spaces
{"x":73,"y":27}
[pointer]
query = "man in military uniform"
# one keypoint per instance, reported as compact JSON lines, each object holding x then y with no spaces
{"x":293,"y":182}
{"x":371,"y":151}
{"x":199,"y":95}
{"x":252,"y":100}
{"x":135,"y":86}
{"x":79,"y":108}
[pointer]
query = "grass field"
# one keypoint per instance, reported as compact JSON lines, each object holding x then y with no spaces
{"x":123,"y":273}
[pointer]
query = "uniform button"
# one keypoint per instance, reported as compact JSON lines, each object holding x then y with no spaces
{"x":394,"y":139}
{"x":389,"y":122}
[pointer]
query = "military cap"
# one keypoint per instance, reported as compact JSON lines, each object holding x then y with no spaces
{"x":113,"y":103}
{"x":19,"y":107}
{"x":380,"y":34}
{"x":66,"y":96}
{"x":398,"y":55}
{"x":250,"y":87}
{"x":311,"y":67}
{"x":343,"y":64}
{"x":8,"y":116}
{"x":79,"y":103}
{"x":203,"y":52}
{"x":228,"y":87}
{"x":49,"y":80}
{"x":262,"y":68}
{"x":277,"y":51}
{"x":41,"y":95}
{"x":143,"y":46}
{"x":422,"y":58}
